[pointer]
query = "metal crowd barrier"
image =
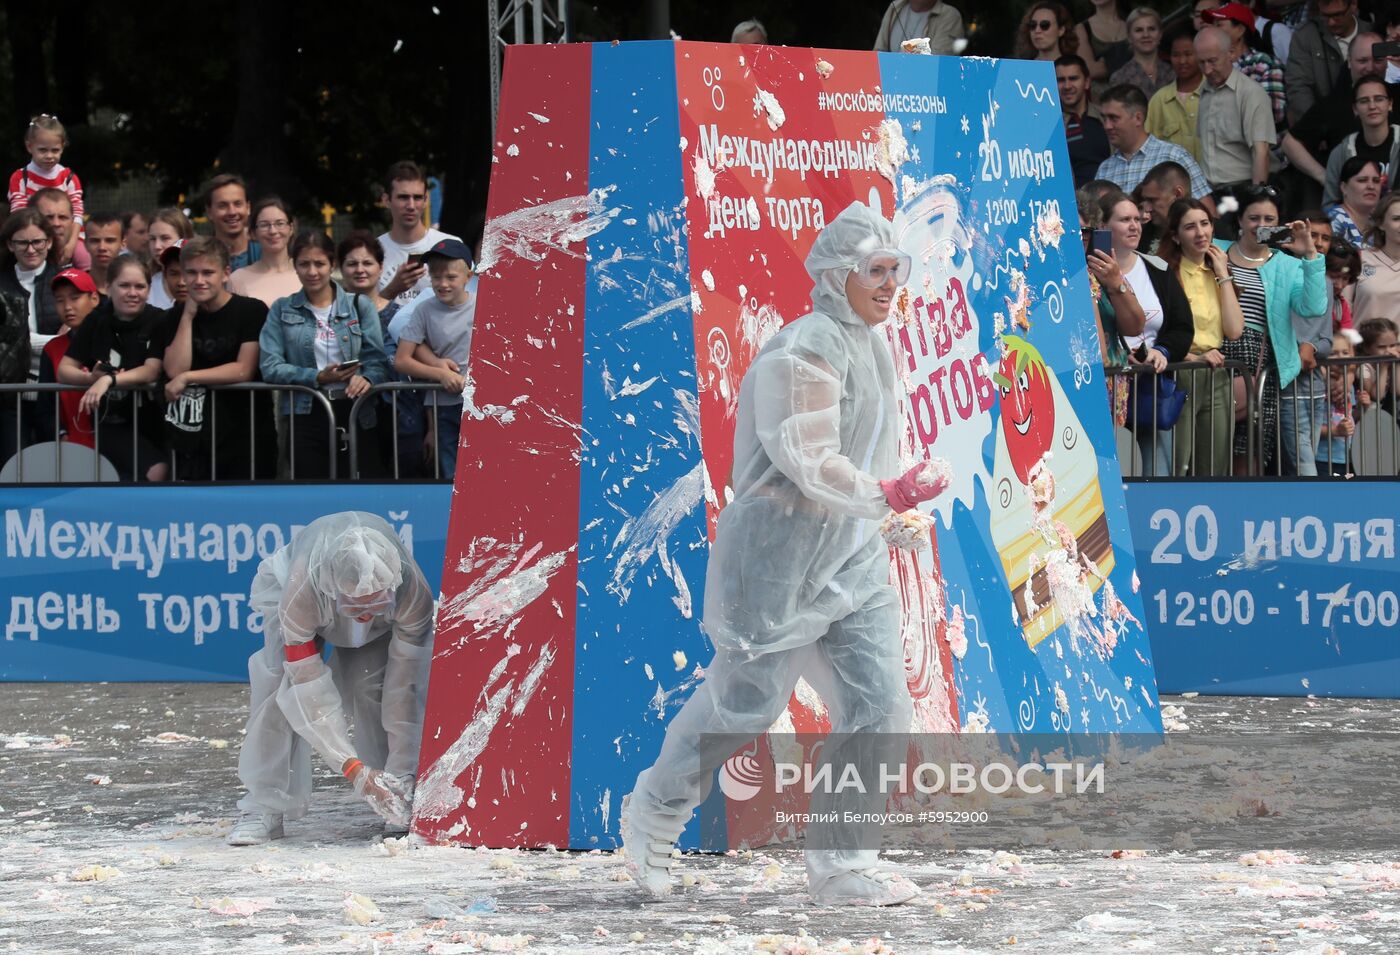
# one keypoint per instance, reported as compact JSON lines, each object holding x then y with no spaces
{"x":1144,"y":376}
{"x":1374,"y":447}
{"x":151,"y":393}
{"x":51,"y":392}
{"x":1373,"y":450}
{"x":392,"y":389}
{"x":253,"y":388}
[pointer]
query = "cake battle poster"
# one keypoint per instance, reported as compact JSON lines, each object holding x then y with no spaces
{"x":651,"y":208}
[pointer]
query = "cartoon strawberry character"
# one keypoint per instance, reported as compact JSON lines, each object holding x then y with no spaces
{"x":1027,"y":405}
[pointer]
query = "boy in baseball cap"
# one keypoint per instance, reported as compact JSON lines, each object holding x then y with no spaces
{"x":75,"y":296}
{"x":435,"y":343}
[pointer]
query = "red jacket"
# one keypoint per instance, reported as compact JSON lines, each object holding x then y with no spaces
{"x":77,"y":425}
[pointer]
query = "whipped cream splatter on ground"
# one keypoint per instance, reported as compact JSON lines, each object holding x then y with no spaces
{"x":160,"y":826}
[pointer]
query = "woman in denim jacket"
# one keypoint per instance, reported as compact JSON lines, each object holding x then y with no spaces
{"x":327,"y":338}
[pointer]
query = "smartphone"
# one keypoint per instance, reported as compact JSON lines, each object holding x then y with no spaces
{"x":414,"y":259}
{"x":1274,"y":236}
{"x":1102,"y":242}
{"x":348,"y":365}
{"x":1389,"y":49}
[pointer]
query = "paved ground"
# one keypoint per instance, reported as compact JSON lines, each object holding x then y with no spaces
{"x":111,"y":840}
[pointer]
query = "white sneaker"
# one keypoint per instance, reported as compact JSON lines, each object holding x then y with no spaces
{"x":254,"y":829}
{"x":648,"y":860}
{"x":866,"y":887}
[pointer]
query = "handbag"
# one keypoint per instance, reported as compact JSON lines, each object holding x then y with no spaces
{"x":1156,"y":409}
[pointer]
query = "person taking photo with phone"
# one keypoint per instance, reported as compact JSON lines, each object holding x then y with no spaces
{"x":1167,"y":328}
{"x":1270,"y":285}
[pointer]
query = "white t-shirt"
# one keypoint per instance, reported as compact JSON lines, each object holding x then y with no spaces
{"x":27,"y":278}
{"x":327,"y":346}
{"x":1141,"y":282}
{"x":160,"y":298}
{"x":395,"y":255}
{"x":447,"y":330}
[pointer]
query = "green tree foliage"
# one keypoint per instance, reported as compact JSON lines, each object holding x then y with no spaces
{"x":311,"y":101}
{"x":314,"y":101}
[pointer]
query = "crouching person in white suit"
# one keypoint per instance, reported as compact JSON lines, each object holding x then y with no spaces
{"x":345,"y":580}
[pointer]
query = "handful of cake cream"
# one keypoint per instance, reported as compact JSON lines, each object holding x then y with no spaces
{"x":909,"y":530}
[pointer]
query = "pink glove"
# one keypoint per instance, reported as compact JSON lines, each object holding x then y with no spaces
{"x":914,"y":486}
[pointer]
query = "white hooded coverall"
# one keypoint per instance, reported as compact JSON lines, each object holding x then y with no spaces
{"x":798,"y":577}
{"x":378,"y":670}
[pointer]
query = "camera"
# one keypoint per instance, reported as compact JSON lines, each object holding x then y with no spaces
{"x":1274,"y":236}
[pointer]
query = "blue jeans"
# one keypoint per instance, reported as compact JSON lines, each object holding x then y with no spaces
{"x":1156,"y":448}
{"x":1300,"y":417}
{"x":449,"y":429}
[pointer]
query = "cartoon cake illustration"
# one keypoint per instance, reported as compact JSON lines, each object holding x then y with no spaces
{"x":1047,"y":521}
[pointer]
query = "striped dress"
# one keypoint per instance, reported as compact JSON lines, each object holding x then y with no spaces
{"x":1253,"y":349}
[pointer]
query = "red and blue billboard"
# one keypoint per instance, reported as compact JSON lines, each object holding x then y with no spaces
{"x":651,"y":208}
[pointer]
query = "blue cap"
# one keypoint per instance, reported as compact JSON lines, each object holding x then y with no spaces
{"x":452,"y":249}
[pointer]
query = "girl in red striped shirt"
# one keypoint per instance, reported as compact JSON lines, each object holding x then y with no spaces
{"x":45,"y":141}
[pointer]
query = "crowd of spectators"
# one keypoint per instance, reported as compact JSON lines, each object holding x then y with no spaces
{"x":1242,"y":172}
{"x":150,"y":323}
{"x":1237,"y":161}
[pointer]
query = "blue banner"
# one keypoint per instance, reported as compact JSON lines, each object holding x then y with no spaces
{"x":1270,"y":588}
{"x":1258,"y":588}
{"x":151,"y":583}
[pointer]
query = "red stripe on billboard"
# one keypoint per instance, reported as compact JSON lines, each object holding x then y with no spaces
{"x":753,"y":216}
{"x":494,"y":768}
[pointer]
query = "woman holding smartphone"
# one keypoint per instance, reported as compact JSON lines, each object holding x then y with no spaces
{"x":324,"y":337}
{"x":1166,"y":332}
{"x":1269,"y":285}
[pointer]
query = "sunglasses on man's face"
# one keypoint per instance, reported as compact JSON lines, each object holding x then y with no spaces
{"x":1046,"y":25}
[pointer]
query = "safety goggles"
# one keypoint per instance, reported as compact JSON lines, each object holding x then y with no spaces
{"x":875,"y":269}
{"x":363,"y":605}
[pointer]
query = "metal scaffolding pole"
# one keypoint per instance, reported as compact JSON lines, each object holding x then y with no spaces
{"x":522,"y":21}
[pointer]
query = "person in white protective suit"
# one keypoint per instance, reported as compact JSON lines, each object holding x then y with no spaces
{"x":345,"y":579}
{"x":798,"y":580}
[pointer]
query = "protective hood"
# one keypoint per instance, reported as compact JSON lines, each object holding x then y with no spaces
{"x":856,"y":232}
{"x":361,"y":561}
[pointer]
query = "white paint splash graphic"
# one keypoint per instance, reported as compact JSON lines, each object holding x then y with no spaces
{"x":531,"y":683}
{"x":506,"y":583}
{"x":643,"y":536}
{"x":704,"y":176}
{"x":505,"y":414}
{"x":530,"y":233}
{"x":687,"y":415}
{"x":658,"y":311}
{"x":630,"y":387}
{"x":893,"y":149}
{"x":438,"y":794}
{"x":757,"y":326}
{"x":766,"y":104}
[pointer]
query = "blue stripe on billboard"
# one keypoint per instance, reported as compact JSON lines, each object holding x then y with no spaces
{"x":642,"y":538}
